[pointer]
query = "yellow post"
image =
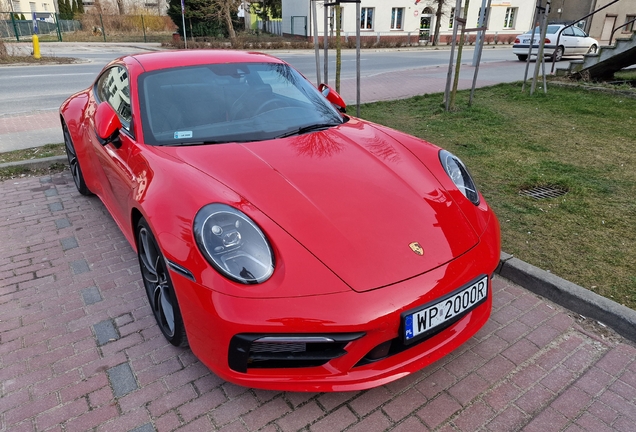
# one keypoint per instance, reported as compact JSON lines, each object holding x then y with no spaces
{"x":36,"y":47}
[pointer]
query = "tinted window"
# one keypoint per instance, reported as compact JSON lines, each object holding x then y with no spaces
{"x":113,"y":87}
{"x":552,"y":29}
{"x":229,"y":103}
{"x":578,"y":32}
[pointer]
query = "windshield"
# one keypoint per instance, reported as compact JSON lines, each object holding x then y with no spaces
{"x":236,"y":102}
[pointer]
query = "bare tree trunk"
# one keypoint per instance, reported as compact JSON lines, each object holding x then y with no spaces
{"x":227,"y":15}
{"x":438,"y":21}
{"x":222,"y":9}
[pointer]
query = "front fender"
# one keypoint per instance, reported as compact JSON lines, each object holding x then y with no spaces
{"x":73,"y":113}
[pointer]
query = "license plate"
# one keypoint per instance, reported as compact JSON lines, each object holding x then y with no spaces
{"x":526,"y":41}
{"x":434,"y":316}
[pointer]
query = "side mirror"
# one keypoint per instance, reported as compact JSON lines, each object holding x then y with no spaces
{"x":332,"y":96}
{"x":107,"y":125}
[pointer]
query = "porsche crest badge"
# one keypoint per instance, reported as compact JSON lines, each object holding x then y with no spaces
{"x":415,"y":247}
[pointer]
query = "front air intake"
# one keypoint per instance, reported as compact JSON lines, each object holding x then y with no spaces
{"x":286,"y":351}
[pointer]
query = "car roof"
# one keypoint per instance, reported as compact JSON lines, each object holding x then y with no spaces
{"x":169,"y":59}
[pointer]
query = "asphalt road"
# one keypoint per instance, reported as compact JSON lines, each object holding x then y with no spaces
{"x":45,"y":87}
{"x":31,"y":94}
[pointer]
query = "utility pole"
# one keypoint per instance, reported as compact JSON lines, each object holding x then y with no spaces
{"x":544,"y":30}
{"x":316,"y":42}
{"x":334,"y":3}
{"x":458,"y":65}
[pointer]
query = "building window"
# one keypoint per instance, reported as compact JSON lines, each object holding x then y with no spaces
{"x":332,"y":17}
{"x":32,"y":6}
{"x":485,"y":18}
{"x":629,"y":28}
{"x":451,"y":18}
{"x":511,"y":14}
{"x":397,"y":16}
{"x":16,"y":6}
{"x":366,"y":18}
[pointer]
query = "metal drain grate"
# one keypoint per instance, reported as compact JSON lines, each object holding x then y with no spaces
{"x":543,"y":192}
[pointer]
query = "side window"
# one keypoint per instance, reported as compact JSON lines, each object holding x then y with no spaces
{"x":568,"y":32}
{"x":113,"y":87}
{"x":578,"y":32}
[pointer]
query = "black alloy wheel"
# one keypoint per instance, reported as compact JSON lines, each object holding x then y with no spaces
{"x":159,"y":288}
{"x":73,"y":162}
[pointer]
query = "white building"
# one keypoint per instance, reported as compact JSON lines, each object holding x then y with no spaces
{"x":26,"y":7}
{"x":402,"y":19}
{"x":44,"y":7}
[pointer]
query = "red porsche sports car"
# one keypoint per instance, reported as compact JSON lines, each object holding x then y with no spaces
{"x":292,"y":246}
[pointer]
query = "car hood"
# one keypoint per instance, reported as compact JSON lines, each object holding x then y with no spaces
{"x":351,"y":195}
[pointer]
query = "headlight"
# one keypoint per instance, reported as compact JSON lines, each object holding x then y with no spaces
{"x":233,"y":244}
{"x":458,"y":173}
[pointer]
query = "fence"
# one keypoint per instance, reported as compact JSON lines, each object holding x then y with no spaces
{"x":11,"y":26}
{"x":89,"y":27}
{"x":272,"y":26}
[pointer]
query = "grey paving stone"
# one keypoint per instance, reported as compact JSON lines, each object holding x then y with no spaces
{"x":62,"y":223}
{"x":79,"y":267}
{"x":148,"y":427}
{"x":46,"y":179}
{"x":105,"y":332}
{"x":91,"y":295}
{"x":69,"y":243}
{"x":50,"y":192}
{"x":122,"y":380}
{"x":56,"y":206}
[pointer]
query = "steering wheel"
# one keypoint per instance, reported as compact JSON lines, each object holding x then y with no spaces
{"x":268,"y":102}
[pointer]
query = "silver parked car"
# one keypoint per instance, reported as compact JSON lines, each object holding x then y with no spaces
{"x":573,"y":41}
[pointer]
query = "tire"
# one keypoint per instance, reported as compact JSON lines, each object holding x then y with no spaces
{"x":159,"y":287}
{"x":558,"y":54}
{"x":522,"y":57}
{"x":73,"y":162}
{"x":593,"y":49}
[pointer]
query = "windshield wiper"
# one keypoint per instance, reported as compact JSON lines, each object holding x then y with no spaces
{"x":207,"y":142}
{"x":305,"y":129}
{"x":188,"y":143}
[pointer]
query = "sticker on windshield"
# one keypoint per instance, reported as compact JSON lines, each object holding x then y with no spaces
{"x":182,"y":134}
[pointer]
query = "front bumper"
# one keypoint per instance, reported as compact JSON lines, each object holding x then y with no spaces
{"x":219,"y":326}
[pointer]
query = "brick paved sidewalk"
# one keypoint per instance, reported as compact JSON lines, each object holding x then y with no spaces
{"x":32,"y":129}
{"x":79,"y":350}
{"x":427,"y":80}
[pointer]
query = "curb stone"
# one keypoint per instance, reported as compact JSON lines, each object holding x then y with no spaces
{"x":37,"y":163}
{"x":558,"y":290}
{"x":569,"y":295}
